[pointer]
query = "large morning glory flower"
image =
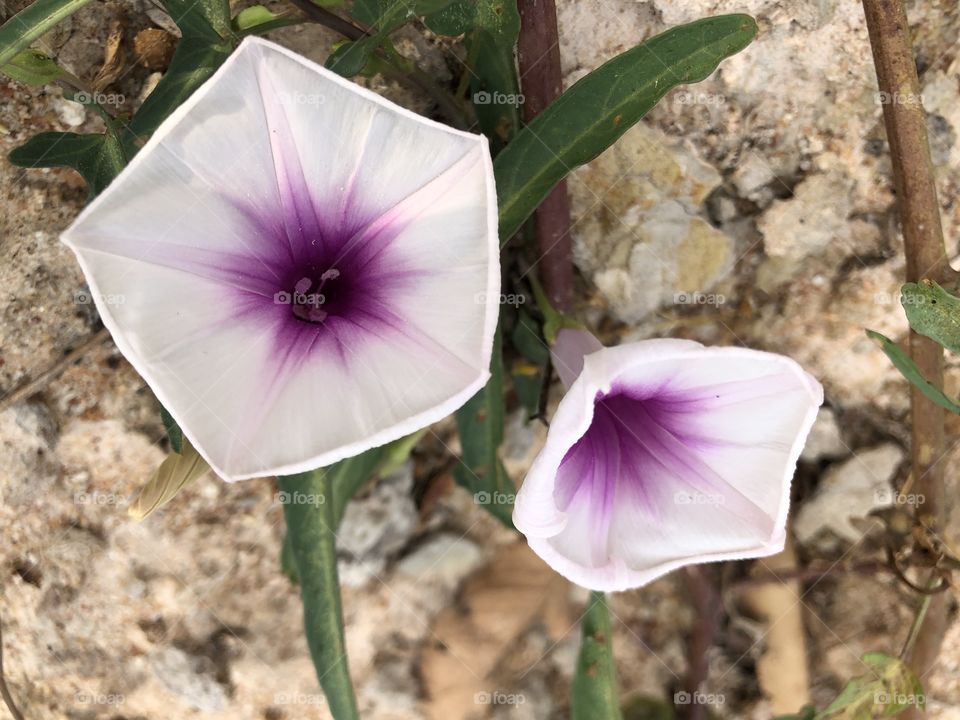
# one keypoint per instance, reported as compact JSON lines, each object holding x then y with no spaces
{"x":299,"y":269}
{"x":664,"y":453}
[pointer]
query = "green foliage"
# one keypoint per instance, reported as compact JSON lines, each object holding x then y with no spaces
{"x":207,"y":40}
{"x":590,"y":116}
{"x":383,"y":17}
{"x":33,"y":67}
{"x":98,"y":158}
{"x":887,"y":689}
{"x":174,"y":433}
{"x":311,"y":556}
{"x":494,"y":87}
{"x":257,"y":19}
{"x":593,"y":695}
{"x":909,"y":370}
{"x":933,"y":312}
{"x":528,"y":373}
{"x":29,"y":24}
{"x":480,"y":423}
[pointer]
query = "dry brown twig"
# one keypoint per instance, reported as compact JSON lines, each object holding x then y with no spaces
{"x":926,"y":257}
{"x":4,"y":689}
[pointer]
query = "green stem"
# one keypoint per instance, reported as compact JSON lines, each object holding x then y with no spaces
{"x":309,"y":510}
{"x":33,"y":21}
{"x":594,"y":694}
{"x":917,"y":623}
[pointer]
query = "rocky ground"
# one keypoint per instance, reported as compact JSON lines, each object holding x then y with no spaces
{"x":754,"y":208}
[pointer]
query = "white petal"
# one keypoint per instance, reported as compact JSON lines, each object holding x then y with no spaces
{"x":726,"y":498}
{"x":271,"y":146}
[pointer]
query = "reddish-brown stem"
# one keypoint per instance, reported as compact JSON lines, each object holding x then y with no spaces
{"x":926,"y":258}
{"x":541,"y":82}
{"x":702,"y":584}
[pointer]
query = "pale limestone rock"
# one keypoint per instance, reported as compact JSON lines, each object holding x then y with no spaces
{"x":375,"y":527}
{"x":824,"y":441}
{"x":638,"y":232}
{"x":850,"y":489}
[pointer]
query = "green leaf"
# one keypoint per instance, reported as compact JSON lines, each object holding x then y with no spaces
{"x":527,"y":372}
{"x":909,"y":370}
{"x":288,"y":565}
{"x":97,"y":157}
{"x":193,"y":62}
{"x":38,"y":17}
{"x":455,"y":19}
{"x":201,"y":19}
{"x":358,"y":56}
{"x":174,"y":433}
{"x":257,"y":20}
{"x":933,"y":312}
{"x":480,"y":423}
{"x":178,"y":470}
{"x":207,"y":40}
{"x":888,"y":688}
{"x":345,"y":478}
{"x":593,"y":694}
{"x":429,"y":7}
{"x":590,"y":116}
{"x":311,"y":524}
{"x":33,"y":67}
{"x":350,"y":58}
{"x":494,"y":88}
{"x":348,"y":476}
{"x":395,"y":454}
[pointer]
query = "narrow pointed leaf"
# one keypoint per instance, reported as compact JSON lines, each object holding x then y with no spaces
{"x":311,"y":524}
{"x":909,"y":370}
{"x":590,"y":116}
{"x":30,"y":23}
{"x":933,"y":312}
{"x":176,"y":472}
{"x":594,"y":695}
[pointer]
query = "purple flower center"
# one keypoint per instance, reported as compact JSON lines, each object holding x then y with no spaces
{"x":308,"y":299}
{"x":639,"y":439}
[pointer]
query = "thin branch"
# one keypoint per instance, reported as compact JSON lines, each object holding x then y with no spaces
{"x":32,"y":387}
{"x":926,"y":258}
{"x":4,"y":690}
{"x":702,"y":585}
{"x":806,"y":574}
{"x":324,"y":17}
{"x":541,"y":82}
{"x":416,"y":78}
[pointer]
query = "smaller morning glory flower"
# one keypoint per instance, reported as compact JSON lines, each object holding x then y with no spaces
{"x":298,"y":268}
{"x":664,"y":453}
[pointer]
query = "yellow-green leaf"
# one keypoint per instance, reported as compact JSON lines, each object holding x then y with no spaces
{"x":32,"y":67}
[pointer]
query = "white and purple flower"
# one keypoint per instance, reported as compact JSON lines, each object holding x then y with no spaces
{"x":664,"y":453}
{"x":300,"y":263}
